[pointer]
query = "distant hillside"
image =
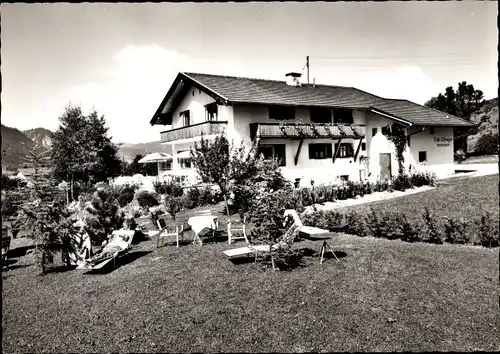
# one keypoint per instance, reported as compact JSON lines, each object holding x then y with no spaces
{"x":43,"y":136}
{"x":487,"y":118}
{"x":129,"y":151}
{"x":15,"y":144}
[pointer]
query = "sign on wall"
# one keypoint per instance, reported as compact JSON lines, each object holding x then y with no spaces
{"x":442,"y":140}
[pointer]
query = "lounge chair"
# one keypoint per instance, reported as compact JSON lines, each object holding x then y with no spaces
{"x":119,"y":244}
{"x":169,"y":232}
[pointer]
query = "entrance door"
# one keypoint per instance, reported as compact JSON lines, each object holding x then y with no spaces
{"x":385,"y":166}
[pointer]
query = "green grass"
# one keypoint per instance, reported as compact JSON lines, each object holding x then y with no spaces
{"x":481,"y":159}
{"x":381,"y":296}
{"x":461,"y":197}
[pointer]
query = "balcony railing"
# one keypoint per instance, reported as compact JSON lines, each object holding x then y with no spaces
{"x":193,"y":131}
{"x":309,"y":131}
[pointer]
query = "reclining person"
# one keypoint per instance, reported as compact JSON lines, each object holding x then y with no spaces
{"x":116,"y":243}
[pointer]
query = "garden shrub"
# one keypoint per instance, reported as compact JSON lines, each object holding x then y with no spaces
{"x":487,"y":144}
{"x":192,"y":199}
{"x":402,"y":182}
{"x":173,"y":204}
{"x":147,"y":199}
{"x":168,"y":188}
{"x":488,"y":231}
{"x":125,"y":195}
{"x":9,"y":183}
{"x":355,"y":224}
{"x":434,"y":235}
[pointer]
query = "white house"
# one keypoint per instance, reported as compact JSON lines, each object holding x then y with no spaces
{"x":320,"y":132}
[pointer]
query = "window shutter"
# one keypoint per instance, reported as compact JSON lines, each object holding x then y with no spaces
{"x":329,"y":151}
{"x":311,"y":155}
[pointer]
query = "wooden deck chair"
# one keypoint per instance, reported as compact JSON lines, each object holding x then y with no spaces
{"x":169,"y":232}
{"x":101,"y":262}
{"x":237,"y":228}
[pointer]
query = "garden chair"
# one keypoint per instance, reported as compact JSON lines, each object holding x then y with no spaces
{"x":119,"y":244}
{"x":169,"y":232}
{"x":237,"y":228}
{"x":5,"y":247}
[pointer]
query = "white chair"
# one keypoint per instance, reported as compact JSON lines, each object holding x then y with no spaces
{"x":169,"y":232}
{"x":239,"y":229}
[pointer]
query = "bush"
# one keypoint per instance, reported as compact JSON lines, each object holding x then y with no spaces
{"x":147,"y":199}
{"x":432,"y":228}
{"x":487,"y":144}
{"x":174,"y":205}
{"x":193,"y":199}
{"x":125,"y":195}
{"x":488,"y":231}
{"x":9,"y":183}
{"x":402,"y":182}
{"x":419,"y":179}
{"x":169,"y":188}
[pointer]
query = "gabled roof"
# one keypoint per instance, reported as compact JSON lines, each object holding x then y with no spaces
{"x":237,"y":90}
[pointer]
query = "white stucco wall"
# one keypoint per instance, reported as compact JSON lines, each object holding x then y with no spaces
{"x":439,"y":147}
{"x":196,"y":104}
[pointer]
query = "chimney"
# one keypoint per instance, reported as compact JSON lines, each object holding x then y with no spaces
{"x":293,"y":79}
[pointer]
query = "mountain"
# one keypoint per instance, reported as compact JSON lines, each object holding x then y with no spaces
{"x":15,"y":144}
{"x":43,"y":136}
{"x":487,"y":117}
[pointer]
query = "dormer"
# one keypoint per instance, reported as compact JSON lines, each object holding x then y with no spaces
{"x":293,"y":79}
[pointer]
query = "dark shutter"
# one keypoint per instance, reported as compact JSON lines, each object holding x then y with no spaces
{"x":329,"y":153}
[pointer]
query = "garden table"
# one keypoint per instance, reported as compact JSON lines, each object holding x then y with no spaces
{"x":325,"y":246}
{"x":201,"y":222}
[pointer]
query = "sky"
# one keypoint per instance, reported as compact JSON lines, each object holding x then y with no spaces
{"x":121,"y":58}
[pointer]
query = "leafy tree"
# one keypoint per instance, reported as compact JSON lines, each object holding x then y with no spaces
{"x":45,"y":219}
{"x":218,"y":163}
{"x":461,"y":103}
{"x":81,"y":150}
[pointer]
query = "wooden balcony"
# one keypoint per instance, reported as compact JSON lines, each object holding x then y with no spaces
{"x":306,"y":131}
{"x":193,"y":131}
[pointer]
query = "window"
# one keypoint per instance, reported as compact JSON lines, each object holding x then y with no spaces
{"x":344,"y":178}
{"x":281,"y":112}
{"x":363,"y":146}
{"x":422,"y":156}
{"x":320,"y":151}
{"x":345,"y":150}
{"x":431,"y":130}
{"x":185,"y":118}
{"x":343,"y":116}
{"x":185,"y":163}
{"x":321,"y":115}
{"x":276,"y":151}
{"x":385,"y":130}
{"x":211,"y":112}
{"x":374,"y":131}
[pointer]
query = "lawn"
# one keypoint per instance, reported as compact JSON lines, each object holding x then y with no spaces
{"x":461,"y":197}
{"x":481,"y":159}
{"x":381,"y":296}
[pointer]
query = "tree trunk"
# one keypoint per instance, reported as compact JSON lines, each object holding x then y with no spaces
{"x":227,"y":204}
{"x":72,"y":191}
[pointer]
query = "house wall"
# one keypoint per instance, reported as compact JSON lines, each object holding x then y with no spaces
{"x":195,"y":100}
{"x":439,"y":147}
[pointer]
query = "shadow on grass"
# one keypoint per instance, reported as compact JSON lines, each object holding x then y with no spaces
{"x":11,"y":265}
{"x":19,"y":251}
{"x":60,"y":269}
{"x":121,"y":261}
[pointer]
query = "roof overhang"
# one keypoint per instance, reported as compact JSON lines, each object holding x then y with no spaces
{"x":176,"y":93}
{"x":390,"y":116}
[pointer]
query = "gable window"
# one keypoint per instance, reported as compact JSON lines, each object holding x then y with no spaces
{"x":422,"y":156}
{"x":276,"y":151}
{"x":321,"y":115}
{"x":185,"y":116}
{"x":320,"y":151}
{"x":281,"y":112}
{"x":211,"y":112}
{"x":345,"y":150}
{"x":343,"y":116}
